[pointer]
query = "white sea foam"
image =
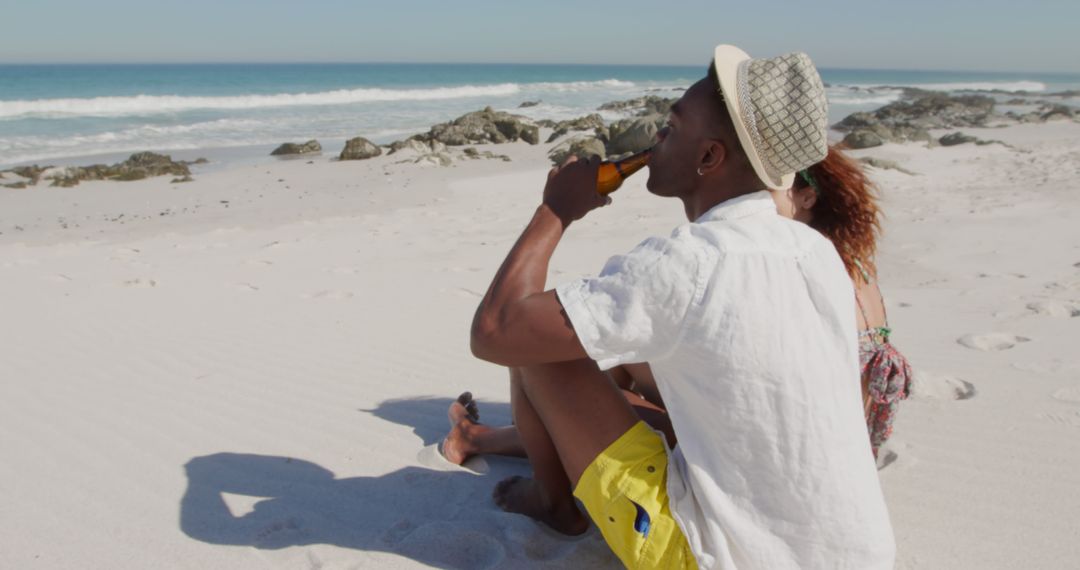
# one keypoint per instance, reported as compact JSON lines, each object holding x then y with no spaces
{"x":142,"y":105}
{"x":975,"y":86}
{"x":841,"y":95}
{"x":583,"y":85}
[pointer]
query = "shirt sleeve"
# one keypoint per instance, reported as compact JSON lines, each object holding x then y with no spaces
{"x":635,"y":310}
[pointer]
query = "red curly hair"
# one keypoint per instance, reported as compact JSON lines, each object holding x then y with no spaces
{"x":846,"y":210}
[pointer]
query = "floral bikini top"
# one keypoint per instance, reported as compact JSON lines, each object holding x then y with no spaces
{"x":887,"y":372}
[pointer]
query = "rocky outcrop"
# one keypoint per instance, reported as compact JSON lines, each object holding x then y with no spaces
{"x":137,"y":167}
{"x":33,"y":172}
{"x":526,"y":104}
{"x":863,"y":138}
{"x":884,"y":164}
{"x":1052,"y":112}
{"x":474,"y":154}
{"x":911,"y":118}
{"x":582,"y":147}
{"x":641,"y":106}
{"x":953,"y":139}
{"x":593,"y":122}
{"x":421,"y":152}
{"x":633,"y":135}
{"x":359,"y":148}
{"x":310,"y":147}
{"x":481,"y":127}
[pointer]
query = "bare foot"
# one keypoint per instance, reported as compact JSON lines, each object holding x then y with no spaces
{"x":466,"y":399}
{"x":464,"y":417}
{"x":524,"y":496}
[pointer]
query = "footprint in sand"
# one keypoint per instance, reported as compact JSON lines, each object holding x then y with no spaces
{"x":138,"y":282}
{"x":432,"y":458}
{"x":1064,"y":285}
{"x":538,"y":542}
{"x":469,"y":293}
{"x":1071,"y":419}
{"x":886,"y":457}
{"x":399,"y":531}
{"x":1071,"y":395}
{"x":931,"y":386}
{"x":1054,"y":309}
{"x":244,"y":287}
{"x":343,"y":270}
{"x":991,"y":341}
{"x":337,"y":295}
{"x":279,"y":533}
{"x":447,"y":545}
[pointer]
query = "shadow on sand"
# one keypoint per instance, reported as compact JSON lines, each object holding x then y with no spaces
{"x":442,"y":517}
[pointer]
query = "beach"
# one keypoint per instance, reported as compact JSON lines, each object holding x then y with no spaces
{"x":252,"y":369}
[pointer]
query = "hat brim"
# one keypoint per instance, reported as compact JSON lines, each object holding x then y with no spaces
{"x":726,"y":60}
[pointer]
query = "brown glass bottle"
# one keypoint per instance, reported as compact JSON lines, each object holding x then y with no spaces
{"x":612,"y":174}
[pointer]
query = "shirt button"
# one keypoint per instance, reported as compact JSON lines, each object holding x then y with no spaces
{"x":650,"y":469}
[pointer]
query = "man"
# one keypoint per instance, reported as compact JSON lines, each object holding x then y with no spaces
{"x":747,"y":322}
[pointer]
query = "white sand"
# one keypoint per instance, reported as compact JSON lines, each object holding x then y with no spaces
{"x":260,"y":384}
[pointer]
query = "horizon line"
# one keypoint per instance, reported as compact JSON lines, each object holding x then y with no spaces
{"x":498,"y":63}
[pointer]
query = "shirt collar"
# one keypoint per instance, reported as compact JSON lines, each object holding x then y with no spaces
{"x":754,"y":203}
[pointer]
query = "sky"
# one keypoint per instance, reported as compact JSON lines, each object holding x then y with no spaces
{"x":987,"y":35}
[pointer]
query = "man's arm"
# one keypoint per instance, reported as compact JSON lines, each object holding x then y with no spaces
{"x":518,"y":323}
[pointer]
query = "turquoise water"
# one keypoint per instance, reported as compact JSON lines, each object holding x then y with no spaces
{"x":58,"y":113}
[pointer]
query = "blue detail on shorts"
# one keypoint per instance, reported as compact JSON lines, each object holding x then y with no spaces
{"x":641,"y":521}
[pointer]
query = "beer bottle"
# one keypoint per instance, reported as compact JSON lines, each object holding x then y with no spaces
{"x":612,"y":174}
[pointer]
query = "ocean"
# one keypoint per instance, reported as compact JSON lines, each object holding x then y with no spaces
{"x":78,"y":114}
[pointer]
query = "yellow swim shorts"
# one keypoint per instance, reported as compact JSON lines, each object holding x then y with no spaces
{"x":625,"y":492}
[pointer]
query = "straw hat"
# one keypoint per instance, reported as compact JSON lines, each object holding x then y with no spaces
{"x":779,"y":110}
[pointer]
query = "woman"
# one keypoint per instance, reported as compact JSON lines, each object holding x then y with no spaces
{"x":834,"y":197}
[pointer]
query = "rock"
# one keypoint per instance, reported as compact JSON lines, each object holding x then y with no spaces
{"x":593,"y":122}
{"x":196,"y":161}
{"x":310,"y":147}
{"x":359,"y":148}
{"x":1052,"y":112}
{"x":863,"y":138}
{"x":415,"y":150}
{"x":486,"y":126}
{"x":474,"y":154}
{"x":179,"y":180}
{"x":403,"y":144}
{"x":953,"y":139}
{"x":633,"y":135}
{"x":911,"y":118}
{"x":16,"y":185}
{"x":1070,"y":93}
{"x":32,"y":172}
{"x":137,"y":167}
{"x":884,"y":164}
{"x":528,"y":104}
{"x":580,"y":147}
{"x":647,"y":105}
{"x":1029,"y":117}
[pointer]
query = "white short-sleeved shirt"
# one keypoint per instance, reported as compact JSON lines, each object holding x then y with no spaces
{"x":748,"y":322}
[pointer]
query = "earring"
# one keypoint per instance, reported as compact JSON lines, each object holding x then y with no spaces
{"x":699,"y":172}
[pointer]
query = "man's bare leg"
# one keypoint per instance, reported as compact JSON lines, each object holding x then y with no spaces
{"x":468,"y":437}
{"x":566,"y":413}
